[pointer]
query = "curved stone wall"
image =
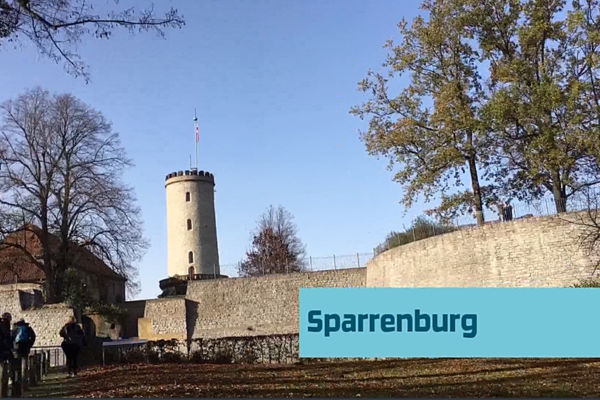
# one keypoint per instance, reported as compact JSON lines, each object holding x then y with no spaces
{"x":533,"y":252}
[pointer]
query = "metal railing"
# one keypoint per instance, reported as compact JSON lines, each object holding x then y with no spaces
{"x":313,"y":264}
{"x":56,"y":355}
{"x":19,"y":374}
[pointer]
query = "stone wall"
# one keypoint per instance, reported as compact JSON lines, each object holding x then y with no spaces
{"x":168,"y":318}
{"x":45,"y":320}
{"x":156,"y":319}
{"x":533,"y":252}
{"x":256,"y":306}
{"x":47,"y":323}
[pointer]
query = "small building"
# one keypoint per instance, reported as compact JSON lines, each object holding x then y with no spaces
{"x":22,"y":265}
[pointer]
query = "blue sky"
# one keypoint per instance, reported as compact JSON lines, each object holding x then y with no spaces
{"x":273,"y":82}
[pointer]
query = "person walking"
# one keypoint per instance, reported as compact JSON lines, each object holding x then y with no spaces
{"x":23,"y":337}
{"x":5,"y":337}
{"x":6,"y":354}
{"x":501,"y":213}
{"x":509,"y":211}
{"x":73,"y":340}
{"x":113,"y":333}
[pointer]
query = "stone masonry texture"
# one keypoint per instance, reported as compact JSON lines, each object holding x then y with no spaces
{"x":534,"y":252}
{"x":258,"y":305}
{"x":235,"y":306}
{"x":168,"y":316}
{"x":45,"y":320}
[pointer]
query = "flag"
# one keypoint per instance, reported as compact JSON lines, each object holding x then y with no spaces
{"x":197,"y":134}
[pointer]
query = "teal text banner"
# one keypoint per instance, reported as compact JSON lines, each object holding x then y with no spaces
{"x":449,"y":322}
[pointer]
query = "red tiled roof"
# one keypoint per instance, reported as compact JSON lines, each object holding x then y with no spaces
{"x":17,"y":263}
{"x":16,"y":266}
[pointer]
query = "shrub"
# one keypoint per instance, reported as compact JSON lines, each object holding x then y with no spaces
{"x":421,"y":228}
{"x":113,"y":313}
{"x":589,"y":283}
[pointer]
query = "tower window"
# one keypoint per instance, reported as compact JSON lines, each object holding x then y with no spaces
{"x":187,"y":196}
{"x":191,"y":272}
{"x":189,"y":224}
{"x":191,"y":257}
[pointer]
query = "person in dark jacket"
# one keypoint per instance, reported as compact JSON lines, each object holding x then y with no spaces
{"x":23,"y":337}
{"x":6,"y":343}
{"x":6,"y":354}
{"x":73,"y":340}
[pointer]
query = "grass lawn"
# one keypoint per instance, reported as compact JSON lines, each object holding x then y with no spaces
{"x":397,"y":378}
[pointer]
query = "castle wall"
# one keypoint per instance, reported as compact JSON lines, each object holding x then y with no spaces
{"x":201,"y":239}
{"x":45,"y":320}
{"x":155,"y":319}
{"x":258,"y":305}
{"x":533,"y":252}
{"x":168,"y":318}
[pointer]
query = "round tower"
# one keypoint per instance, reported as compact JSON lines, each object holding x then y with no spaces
{"x":191,"y":224}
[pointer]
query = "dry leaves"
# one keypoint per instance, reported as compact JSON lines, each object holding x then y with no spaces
{"x":397,"y":378}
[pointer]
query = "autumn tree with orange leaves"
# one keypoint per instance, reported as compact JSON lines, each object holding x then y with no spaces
{"x":276,"y":247}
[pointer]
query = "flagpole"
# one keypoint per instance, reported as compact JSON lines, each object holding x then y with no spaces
{"x":196,"y":137}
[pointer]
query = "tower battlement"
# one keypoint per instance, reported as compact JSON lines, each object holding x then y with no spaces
{"x":203,"y":175}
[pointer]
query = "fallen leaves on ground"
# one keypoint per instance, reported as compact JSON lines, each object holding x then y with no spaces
{"x":389,"y":378}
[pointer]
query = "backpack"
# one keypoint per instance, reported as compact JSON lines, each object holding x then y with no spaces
{"x":22,"y":335}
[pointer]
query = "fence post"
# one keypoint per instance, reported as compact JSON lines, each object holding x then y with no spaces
{"x":358,"y":260}
{"x":414,"y":237}
{"x":25,"y":373}
{"x":334,"y":266}
{"x":17,"y":375}
{"x":4,"y":368}
{"x":40,"y":367}
{"x":31,"y":370}
{"x":311,"y":267}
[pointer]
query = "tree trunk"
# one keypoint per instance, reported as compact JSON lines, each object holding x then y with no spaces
{"x":49,"y":270}
{"x":477,"y":201}
{"x":560,"y":199}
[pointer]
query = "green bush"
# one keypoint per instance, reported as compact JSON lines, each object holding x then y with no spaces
{"x":113,"y":313}
{"x":421,"y":228}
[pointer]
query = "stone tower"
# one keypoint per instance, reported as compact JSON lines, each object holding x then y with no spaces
{"x":191,"y":225}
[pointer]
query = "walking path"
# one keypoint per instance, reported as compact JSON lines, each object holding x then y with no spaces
{"x":55,"y":384}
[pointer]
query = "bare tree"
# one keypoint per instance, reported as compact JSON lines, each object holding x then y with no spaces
{"x":26,"y":176}
{"x":56,"y":26}
{"x":587,"y":221}
{"x":281,"y":222}
{"x":276,"y":247}
{"x":63,"y":168}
